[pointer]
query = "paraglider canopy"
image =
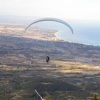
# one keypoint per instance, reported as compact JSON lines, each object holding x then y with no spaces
{"x":50,"y":19}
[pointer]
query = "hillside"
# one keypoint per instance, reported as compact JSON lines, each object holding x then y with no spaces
{"x":73,"y":70}
{"x":42,"y":40}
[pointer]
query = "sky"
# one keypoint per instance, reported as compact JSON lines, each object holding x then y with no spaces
{"x":84,"y":10}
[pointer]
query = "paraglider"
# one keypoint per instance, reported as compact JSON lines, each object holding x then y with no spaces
{"x":47,"y":58}
{"x":50,"y":19}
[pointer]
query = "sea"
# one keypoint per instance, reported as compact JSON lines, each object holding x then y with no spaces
{"x":84,"y":32}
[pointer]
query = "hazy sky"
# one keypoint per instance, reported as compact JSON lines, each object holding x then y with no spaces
{"x":69,"y":9}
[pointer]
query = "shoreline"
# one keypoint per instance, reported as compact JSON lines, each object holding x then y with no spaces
{"x":56,"y":37}
{"x":84,"y":43}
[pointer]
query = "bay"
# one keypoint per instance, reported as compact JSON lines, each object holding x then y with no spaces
{"x":84,"y":33}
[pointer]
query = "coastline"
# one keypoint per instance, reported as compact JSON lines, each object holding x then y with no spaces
{"x":56,"y":37}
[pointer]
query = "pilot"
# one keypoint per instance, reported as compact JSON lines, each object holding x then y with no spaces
{"x":47,"y":58}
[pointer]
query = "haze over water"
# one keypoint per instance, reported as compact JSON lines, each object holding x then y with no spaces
{"x":85,"y":33}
